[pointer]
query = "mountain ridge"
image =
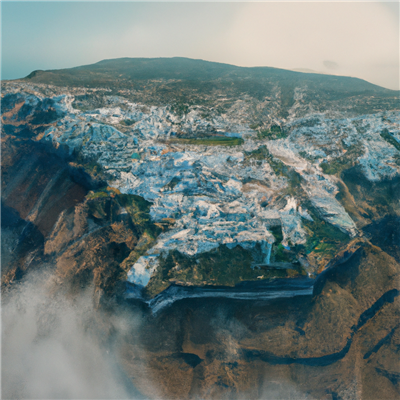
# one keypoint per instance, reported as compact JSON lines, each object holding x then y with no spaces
{"x":179,"y":68}
{"x":253,"y":224}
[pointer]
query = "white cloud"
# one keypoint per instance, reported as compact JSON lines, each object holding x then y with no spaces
{"x":361,"y":37}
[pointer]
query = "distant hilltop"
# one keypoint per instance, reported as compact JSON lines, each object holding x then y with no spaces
{"x":177,"y":80}
{"x":187,"y":69}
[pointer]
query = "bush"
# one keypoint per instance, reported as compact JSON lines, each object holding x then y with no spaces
{"x":273,"y":133}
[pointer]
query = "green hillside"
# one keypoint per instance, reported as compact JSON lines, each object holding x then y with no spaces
{"x":187,"y":81}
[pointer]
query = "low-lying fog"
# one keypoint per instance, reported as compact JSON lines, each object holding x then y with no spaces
{"x":58,"y":347}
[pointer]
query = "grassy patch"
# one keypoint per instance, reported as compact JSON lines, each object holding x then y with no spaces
{"x":323,"y":238}
{"x":260,"y":154}
{"x":211,"y":141}
{"x":180,"y":109}
{"x":280,"y":169}
{"x":278,"y":252}
{"x":254,"y":126}
{"x":91,"y":166}
{"x":221,"y":266}
{"x":275,"y":132}
{"x":103,"y":192}
{"x":277,"y":165}
{"x":138,"y":209}
{"x":346,"y":161}
{"x":277,"y":232}
{"x":97,"y":194}
{"x":323,"y":242}
{"x":128,"y":122}
{"x":332,"y":167}
{"x":106,"y":203}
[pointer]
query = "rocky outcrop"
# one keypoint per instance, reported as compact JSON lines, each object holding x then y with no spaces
{"x":49,"y":217}
{"x":96,"y":242}
{"x":275,"y":196}
{"x":278,"y":229}
{"x":327,"y":346}
{"x":36,"y":188}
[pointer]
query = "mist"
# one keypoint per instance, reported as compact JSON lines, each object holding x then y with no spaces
{"x":55,"y":346}
{"x":58,"y":348}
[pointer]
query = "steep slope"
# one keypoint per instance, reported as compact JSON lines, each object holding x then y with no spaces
{"x":280,"y":202}
{"x":341,"y":343}
{"x":49,"y":215}
{"x":221,"y":194}
{"x":36,"y":188}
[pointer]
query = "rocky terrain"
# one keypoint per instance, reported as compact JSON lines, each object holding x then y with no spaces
{"x":240,"y":188}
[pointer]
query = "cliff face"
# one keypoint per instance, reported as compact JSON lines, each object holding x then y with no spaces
{"x":36,"y":188}
{"x":48,"y":216}
{"x":240,"y":192}
{"x":97,"y":190}
{"x":341,"y":343}
{"x":95,"y":242}
{"x":334,"y":344}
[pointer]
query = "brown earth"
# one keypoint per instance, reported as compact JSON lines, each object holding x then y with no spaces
{"x":50,"y":219}
{"x":328,"y":346}
{"x":341,"y":343}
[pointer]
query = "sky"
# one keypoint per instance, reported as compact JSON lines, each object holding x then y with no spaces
{"x":359,"y":39}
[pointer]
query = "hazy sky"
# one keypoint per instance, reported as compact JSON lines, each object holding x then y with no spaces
{"x":357,"y":39}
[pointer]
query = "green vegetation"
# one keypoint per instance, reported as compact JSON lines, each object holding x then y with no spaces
{"x":294,"y":182}
{"x":183,"y":82}
{"x":278,"y":166}
{"x":390,"y":139}
{"x":323,"y":240}
{"x":323,"y":237}
{"x":346,"y":161}
{"x":333,"y":167}
{"x":138,"y":209}
{"x":260,"y":154}
{"x":180,"y":109}
{"x":306,"y":156}
{"x":105,"y":204}
{"x":90,"y":165}
{"x":210,"y":141}
{"x":278,"y":252}
{"x":221,"y":266}
{"x":91,"y":101}
{"x":93,"y":169}
{"x":280,"y":169}
{"x":287,"y":98}
{"x":128,"y":122}
{"x":97,"y":194}
{"x":275,"y":132}
{"x":277,"y":232}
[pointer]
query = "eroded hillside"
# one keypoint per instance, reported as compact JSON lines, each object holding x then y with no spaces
{"x":254,"y":192}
